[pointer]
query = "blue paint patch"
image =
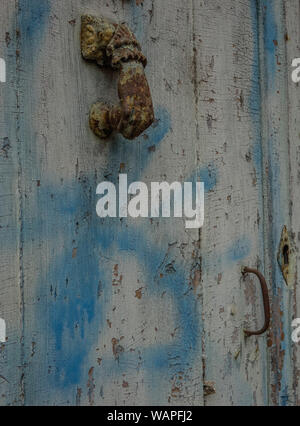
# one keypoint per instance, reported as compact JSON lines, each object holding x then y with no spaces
{"x":136,"y":155}
{"x":206,"y":174}
{"x":257,"y":159}
{"x":255,"y":95}
{"x":32,"y":18}
{"x":270,"y":40}
{"x":137,"y":21}
{"x":160,"y":127}
{"x":75,"y":314}
{"x":284,"y":397}
{"x":238,"y":250}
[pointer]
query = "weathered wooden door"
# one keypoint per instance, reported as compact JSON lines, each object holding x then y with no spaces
{"x":144,"y":311}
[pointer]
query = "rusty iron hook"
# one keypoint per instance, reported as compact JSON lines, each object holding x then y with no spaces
{"x":266,"y":301}
{"x":114,"y":45}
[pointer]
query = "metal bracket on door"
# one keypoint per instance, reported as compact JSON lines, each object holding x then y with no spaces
{"x":115,"y":45}
{"x":266,"y":301}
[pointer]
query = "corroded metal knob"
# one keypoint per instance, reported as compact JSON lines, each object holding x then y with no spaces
{"x":115,"y":45}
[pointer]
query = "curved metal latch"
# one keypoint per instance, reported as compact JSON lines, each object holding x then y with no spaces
{"x":266,"y":302}
{"x":115,"y":45}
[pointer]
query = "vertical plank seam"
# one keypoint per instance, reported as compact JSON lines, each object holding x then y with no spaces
{"x":267,"y":196}
{"x":196,"y":104}
{"x":20,"y":207}
{"x":263,"y":184}
{"x":291,"y":305}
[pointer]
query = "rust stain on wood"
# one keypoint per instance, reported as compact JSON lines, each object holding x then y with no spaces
{"x":138,"y":293}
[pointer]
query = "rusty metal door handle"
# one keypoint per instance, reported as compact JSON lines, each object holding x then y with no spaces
{"x":115,"y":45}
{"x":266,"y":302}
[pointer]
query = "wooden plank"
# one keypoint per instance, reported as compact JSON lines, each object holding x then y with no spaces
{"x":227,"y":86}
{"x":111,"y":316}
{"x":276,"y":145}
{"x":291,"y":12}
{"x":11,"y":309}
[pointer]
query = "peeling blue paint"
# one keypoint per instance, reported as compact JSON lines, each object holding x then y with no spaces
{"x":74,"y":309}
